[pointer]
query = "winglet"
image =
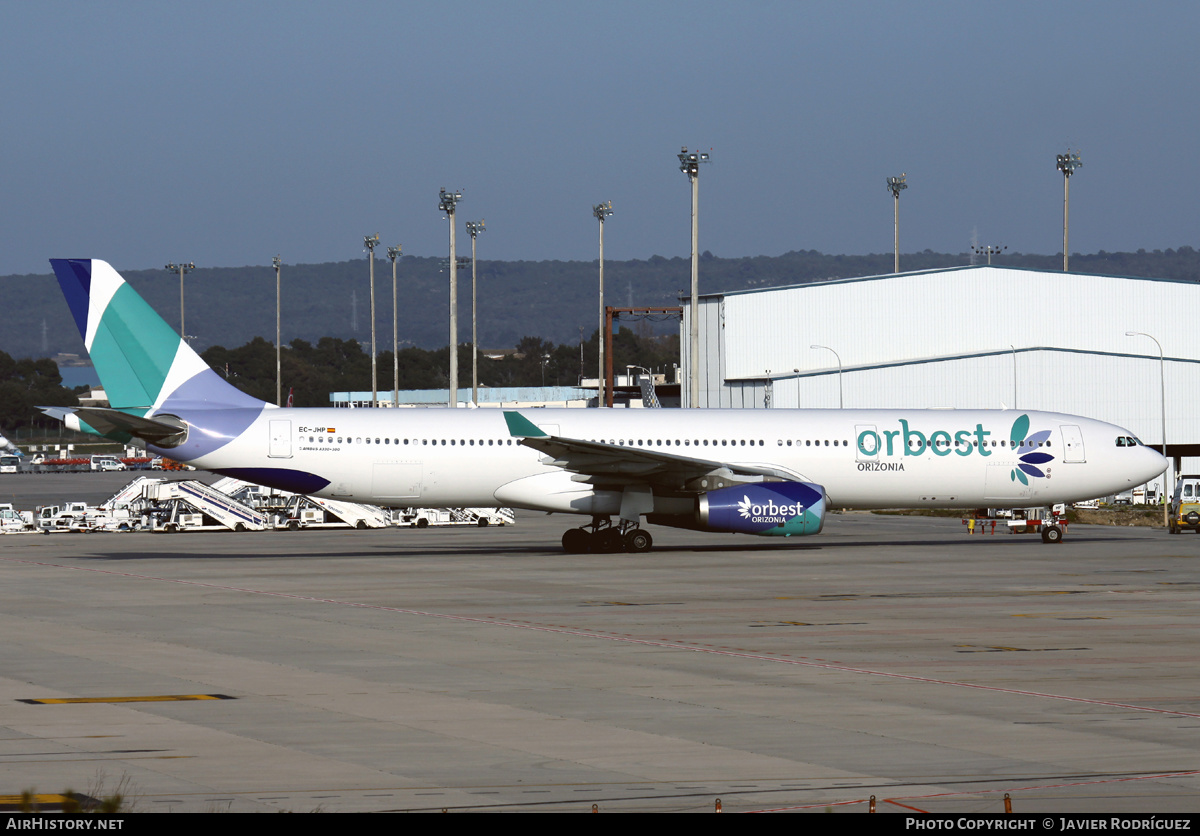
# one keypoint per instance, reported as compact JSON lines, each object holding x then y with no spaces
{"x":521,"y":427}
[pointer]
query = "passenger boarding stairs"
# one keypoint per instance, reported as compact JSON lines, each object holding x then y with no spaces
{"x":304,"y":511}
{"x":180,"y":498}
{"x":130,"y":496}
{"x":317,"y":511}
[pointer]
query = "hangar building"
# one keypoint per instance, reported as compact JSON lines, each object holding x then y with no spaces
{"x":978,"y":337}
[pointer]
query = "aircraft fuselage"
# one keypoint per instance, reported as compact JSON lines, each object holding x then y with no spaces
{"x":863,"y":458}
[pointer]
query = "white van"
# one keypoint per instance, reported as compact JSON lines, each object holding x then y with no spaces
{"x":107,"y":463}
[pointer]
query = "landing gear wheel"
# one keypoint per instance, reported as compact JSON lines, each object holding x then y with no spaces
{"x":576,"y":541}
{"x":637,"y":541}
{"x":609,"y":541}
{"x":1052,"y":534}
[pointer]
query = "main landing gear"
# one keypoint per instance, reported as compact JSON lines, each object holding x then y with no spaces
{"x":1052,"y":534}
{"x":602,"y":537}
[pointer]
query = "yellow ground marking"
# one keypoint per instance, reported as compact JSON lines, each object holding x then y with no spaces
{"x":162,"y":698}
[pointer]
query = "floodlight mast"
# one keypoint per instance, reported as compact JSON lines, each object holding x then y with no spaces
{"x":447,"y":202}
{"x":895,"y":186}
{"x":1067,"y":164}
{"x":276,"y":261}
{"x":989,"y":250}
{"x":474,"y":228}
{"x":689,"y":164}
{"x":181,"y":269}
{"x":602,"y":212}
{"x":393,"y":254}
{"x":371,"y":242}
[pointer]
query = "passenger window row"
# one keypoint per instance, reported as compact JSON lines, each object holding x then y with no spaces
{"x":462,"y":442}
{"x":916,"y":444}
{"x":687,"y":442}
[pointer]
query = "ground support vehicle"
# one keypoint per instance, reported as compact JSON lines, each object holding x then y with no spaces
{"x":318,"y":512}
{"x":1051,"y":523}
{"x":194,"y":506}
{"x":425,"y":517}
{"x":105,"y":519}
{"x":295,"y":511}
{"x":60,"y":517}
{"x":272,"y":502}
{"x":1185,"y":505}
{"x":107,"y":463}
{"x":13,"y":521}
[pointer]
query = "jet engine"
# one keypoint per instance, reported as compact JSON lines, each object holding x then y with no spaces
{"x":773,"y":509}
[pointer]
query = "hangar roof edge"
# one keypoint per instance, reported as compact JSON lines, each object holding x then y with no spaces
{"x":884,"y":276}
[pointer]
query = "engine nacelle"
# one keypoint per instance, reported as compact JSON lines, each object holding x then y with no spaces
{"x":779,"y":509}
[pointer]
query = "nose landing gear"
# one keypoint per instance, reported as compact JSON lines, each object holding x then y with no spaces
{"x":602,"y":537}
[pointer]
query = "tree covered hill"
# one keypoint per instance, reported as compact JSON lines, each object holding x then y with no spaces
{"x":552,"y":300}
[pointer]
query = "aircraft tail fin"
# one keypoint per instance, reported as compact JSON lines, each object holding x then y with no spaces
{"x":143,"y":365}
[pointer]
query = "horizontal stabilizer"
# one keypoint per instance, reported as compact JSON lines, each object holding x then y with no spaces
{"x":106,"y":421}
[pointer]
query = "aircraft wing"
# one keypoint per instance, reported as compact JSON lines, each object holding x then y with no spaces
{"x":614,"y":465}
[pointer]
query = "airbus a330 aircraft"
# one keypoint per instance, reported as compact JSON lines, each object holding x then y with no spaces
{"x":766,"y":472}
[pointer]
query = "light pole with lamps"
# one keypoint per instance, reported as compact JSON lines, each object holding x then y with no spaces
{"x":181,"y":269}
{"x":276,"y":261}
{"x":1067,"y":164}
{"x":474,"y":228}
{"x":989,"y":250}
{"x":393,"y":254}
{"x":371,"y":242}
{"x":447,"y":202}
{"x":689,"y":164}
{"x":895,"y":186}
{"x":602,"y":211}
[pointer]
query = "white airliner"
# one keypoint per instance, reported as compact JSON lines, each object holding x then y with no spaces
{"x":766,"y":472}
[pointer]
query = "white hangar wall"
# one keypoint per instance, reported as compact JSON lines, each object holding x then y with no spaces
{"x":952,"y":338}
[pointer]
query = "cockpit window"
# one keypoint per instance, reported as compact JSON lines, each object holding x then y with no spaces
{"x":1127,"y":441}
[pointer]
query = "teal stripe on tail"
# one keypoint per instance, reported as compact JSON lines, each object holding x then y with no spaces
{"x":140,"y":359}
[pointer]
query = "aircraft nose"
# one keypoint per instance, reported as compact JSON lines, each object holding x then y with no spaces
{"x":1156,"y":463}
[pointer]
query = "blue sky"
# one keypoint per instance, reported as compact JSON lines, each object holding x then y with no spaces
{"x":224,"y":133}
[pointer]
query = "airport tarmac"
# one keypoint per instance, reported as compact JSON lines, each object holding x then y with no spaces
{"x":483,"y":669}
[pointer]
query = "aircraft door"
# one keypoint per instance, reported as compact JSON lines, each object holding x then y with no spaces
{"x":866,"y":447}
{"x":1072,"y":444}
{"x":281,"y":440}
{"x":999,"y":485}
{"x":396,"y":480}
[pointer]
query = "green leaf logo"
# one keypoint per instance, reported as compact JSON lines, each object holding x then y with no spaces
{"x":1020,"y":429}
{"x":1031,"y":457}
